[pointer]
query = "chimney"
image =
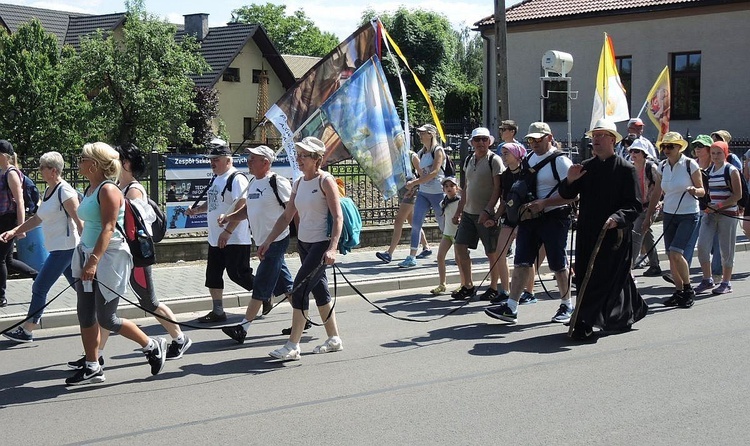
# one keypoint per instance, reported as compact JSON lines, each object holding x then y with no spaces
{"x":197,"y":25}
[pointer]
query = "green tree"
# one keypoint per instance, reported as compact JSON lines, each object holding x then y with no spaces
{"x":429,"y":44}
{"x":139,"y":82}
{"x":206,"y":111}
{"x":43,"y":105}
{"x":291,"y":34}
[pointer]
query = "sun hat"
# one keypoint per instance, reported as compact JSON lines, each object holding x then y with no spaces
{"x":311,"y":144}
{"x":723,"y":135}
{"x":538,"y":130}
{"x":482,"y":131}
{"x":606,"y":125}
{"x":672,"y":138}
{"x":704,"y":140}
{"x":429,"y":128}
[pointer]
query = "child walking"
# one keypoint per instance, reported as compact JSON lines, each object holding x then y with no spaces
{"x":448,"y":206}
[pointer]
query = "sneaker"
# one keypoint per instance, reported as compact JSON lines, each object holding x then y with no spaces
{"x":425,"y":253}
{"x":438,"y":290}
{"x":652,"y":271}
{"x":212,"y":317}
{"x":157,"y":355}
{"x":286,"y":353}
{"x":409,"y":262}
{"x":583,"y":333}
{"x":176,"y":350}
{"x":501,"y":297}
{"x":385,"y":257}
{"x":527,"y":298}
{"x":705,"y":285}
{"x":488,"y":295}
{"x":79,"y":363}
{"x":563,"y":314}
{"x":86,"y":375}
{"x":332,"y":344}
{"x":673,"y":299}
{"x":723,"y":288}
{"x":668,"y":278}
{"x":236,"y":332}
{"x":464,"y":293}
{"x":19,"y":335}
{"x":267,"y":307}
{"x":687,"y":298}
{"x":3,"y":302}
{"x":288,"y":331}
{"x":501,"y":312}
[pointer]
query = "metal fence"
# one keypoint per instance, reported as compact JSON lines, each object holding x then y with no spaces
{"x":374,"y":210}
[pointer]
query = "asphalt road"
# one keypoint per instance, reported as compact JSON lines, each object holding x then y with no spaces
{"x":680,"y":377}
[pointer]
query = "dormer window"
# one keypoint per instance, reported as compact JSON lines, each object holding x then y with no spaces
{"x":231,"y":75}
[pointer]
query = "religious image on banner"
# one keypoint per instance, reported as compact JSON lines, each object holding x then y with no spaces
{"x":657,"y":103}
{"x":609,"y":97}
{"x":301,"y":102}
{"x":364,"y":116}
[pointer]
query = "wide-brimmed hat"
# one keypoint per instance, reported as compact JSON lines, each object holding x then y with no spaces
{"x":6,"y":147}
{"x":604,"y":124}
{"x":482,"y":131}
{"x":429,"y":128}
{"x":640,"y":145}
{"x":705,"y":140}
{"x":538,"y":130}
{"x":263,"y":151}
{"x":722,"y":135}
{"x":672,"y":138}
{"x":311,"y":144}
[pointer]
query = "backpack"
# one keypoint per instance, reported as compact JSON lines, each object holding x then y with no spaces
{"x":450,"y":167}
{"x":523,"y":190}
{"x":31,"y":193}
{"x":745,"y":193}
{"x":136,"y":234}
{"x":159,"y":226}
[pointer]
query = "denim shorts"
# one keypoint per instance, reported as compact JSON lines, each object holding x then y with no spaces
{"x":272,"y":277}
{"x":410,"y":199}
{"x":470,"y":232}
{"x":550,"y":230}
{"x":678,"y":229}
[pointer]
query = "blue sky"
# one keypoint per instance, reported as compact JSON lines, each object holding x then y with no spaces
{"x":336,"y":16}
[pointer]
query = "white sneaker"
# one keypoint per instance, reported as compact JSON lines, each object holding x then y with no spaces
{"x":332,"y":344}
{"x":286,"y":353}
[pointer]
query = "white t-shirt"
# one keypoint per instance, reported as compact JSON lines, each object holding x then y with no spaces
{"x":59,"y":231}
{"x":218,"y":205}
{"x":674,"y":181}
{"x":545,"y":178}
{"x":263,"y":209}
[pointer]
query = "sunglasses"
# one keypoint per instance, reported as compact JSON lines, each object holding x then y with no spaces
{"x":505,"y":129}
{"x":480,"y":138}
{"x":81,"y":159}
{"x":635,"y":151}
{"x":668,"y":146}
{"x":699,"y":146}
{"x":530,"y":139}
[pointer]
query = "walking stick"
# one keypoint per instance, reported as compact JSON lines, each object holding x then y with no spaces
{"x":586,"y":279}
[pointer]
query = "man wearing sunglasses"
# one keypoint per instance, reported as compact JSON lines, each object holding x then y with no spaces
{"x":508,"y":131}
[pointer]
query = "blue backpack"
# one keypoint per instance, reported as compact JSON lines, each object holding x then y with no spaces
{"x":31,"y":194}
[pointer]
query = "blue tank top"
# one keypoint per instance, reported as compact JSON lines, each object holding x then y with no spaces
{"x":90,"y":212}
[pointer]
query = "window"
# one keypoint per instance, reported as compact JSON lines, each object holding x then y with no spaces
{"x":556,"y":102}
{"x":625,"y":68}
{"x":257,"y":74}
{"x":686,"y":85}
{"x":248,"y":131}
{"x":231,"y":75}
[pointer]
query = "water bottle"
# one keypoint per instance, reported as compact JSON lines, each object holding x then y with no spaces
{"x":145,"y":245}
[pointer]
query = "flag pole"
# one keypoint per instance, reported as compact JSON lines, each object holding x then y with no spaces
{"x":645,"y":103}
{"x":605,"y":78}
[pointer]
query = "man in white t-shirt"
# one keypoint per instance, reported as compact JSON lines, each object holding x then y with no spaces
{"x":228,"y":245}
{"x":266,"y":198}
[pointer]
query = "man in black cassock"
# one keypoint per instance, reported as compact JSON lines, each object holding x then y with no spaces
{"x":609,"y":199}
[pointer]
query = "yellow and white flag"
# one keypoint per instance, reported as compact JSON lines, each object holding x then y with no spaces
{"x":609,"y":98}
{"x":657,"y":103}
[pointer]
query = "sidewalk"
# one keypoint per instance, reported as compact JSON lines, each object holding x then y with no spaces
{"x":180,"y":285}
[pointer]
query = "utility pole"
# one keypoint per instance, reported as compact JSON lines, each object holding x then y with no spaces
{"x":501,"y":62}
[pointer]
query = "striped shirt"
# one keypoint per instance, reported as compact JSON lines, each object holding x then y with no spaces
{"x":719,"y":188}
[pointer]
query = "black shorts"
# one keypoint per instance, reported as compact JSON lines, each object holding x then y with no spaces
{"x":235,"y":259}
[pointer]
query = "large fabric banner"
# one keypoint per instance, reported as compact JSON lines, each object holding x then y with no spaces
{"x":364,"y":116}
{"x":657,"y":103}
{"x":609,"y":98}
{"x":187,"y":177}
{"x":296,"y":112}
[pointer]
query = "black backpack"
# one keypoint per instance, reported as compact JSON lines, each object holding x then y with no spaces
{"x":465,"y":165}
{"x":450,"y":167}
{"x":31,"y":193}
{"x":742,"y":204}
{"x":523,"y":189}
{"x":275,"y":189}
{"x":159,"y":226}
